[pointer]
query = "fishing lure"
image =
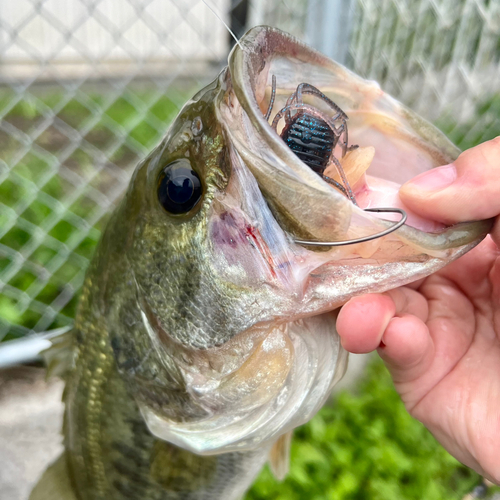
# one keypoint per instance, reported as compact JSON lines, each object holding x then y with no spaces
{"x":313,"y":135}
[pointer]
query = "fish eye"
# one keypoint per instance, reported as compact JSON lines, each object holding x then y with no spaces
{"x":179,"y":187}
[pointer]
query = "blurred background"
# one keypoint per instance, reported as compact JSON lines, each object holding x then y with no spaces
{"x":89,"y":87}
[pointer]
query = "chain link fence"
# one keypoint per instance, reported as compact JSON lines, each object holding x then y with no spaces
{"x":88,"y":87}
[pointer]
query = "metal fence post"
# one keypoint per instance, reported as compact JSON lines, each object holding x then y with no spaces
{"x":329,"y":25}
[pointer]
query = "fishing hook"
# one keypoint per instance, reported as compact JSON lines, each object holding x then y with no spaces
{"x":363,"y":238}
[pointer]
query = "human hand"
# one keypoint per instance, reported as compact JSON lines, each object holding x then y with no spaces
{"x":440,"y":336}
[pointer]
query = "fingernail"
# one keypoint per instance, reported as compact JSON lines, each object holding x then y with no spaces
{"x":434,"y":180}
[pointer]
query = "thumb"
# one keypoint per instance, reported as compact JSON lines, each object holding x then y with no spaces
{"x":467,"y":189}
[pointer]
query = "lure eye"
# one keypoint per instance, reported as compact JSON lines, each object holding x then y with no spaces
{"x":179,"y":187}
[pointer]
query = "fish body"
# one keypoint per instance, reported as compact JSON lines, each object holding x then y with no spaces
{"x":204,"y":332}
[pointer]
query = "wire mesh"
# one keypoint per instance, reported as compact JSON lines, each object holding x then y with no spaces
{"x":88,"y":87}
{"x":441,"y":57}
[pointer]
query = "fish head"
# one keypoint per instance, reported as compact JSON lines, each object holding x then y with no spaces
{"x":221,"y":321}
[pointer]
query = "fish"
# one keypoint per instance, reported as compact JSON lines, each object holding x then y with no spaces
{"x":205,"y":331}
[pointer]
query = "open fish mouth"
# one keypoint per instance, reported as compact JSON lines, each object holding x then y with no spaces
{"x":253,"y":339}
{"x":394,"y":145}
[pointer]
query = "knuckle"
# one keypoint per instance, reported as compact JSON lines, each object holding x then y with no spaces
{"x":495,"y":476}
{"x":495,"y":142}
{"x":492,"y":151}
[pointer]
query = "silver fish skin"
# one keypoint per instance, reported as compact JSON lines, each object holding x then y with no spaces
{"x":202,"y":338}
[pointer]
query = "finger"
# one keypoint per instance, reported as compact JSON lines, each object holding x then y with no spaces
{"x":469,"y":275}
{"x":408,"y":351}
{"x":467,"y":189}
{"x":409,"y":301}
{"x":362,"y":322}
{"x":495,"y":232}
{"x":415,"y":285}
{"x":406,"y":342}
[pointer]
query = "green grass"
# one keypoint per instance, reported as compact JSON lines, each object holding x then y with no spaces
{"x":483,"y":126}
{"x":62,"y":204}
{"x":365,"y":446}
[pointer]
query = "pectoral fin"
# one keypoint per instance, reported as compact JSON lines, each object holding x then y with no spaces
{"x":279,"y":456}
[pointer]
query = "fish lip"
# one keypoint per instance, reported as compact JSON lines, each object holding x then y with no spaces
{"x":246,"y":62}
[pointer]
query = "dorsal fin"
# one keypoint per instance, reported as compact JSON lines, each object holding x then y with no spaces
{"x":279,"y":456}
{"x":55,"y":484}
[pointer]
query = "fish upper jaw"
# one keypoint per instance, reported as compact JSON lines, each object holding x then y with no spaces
{"x":308,"y":208}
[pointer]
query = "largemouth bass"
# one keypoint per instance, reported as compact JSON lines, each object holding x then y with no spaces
{"x":205,"y":333}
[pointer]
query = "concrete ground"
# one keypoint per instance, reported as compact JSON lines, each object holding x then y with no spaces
{"x":30,"y":424}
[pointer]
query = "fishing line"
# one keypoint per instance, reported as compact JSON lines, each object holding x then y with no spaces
{"x":214,"y":12}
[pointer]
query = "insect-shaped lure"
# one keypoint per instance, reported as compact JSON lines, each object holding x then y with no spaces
{"x":313,"y":136}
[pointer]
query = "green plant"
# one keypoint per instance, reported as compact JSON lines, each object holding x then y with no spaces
{"x":365,"y":446}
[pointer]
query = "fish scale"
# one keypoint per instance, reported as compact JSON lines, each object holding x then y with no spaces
{"x":111,"y":453}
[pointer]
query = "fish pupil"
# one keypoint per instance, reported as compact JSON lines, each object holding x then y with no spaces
{"x":180,"y":190}
{"x":179,"y":187}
